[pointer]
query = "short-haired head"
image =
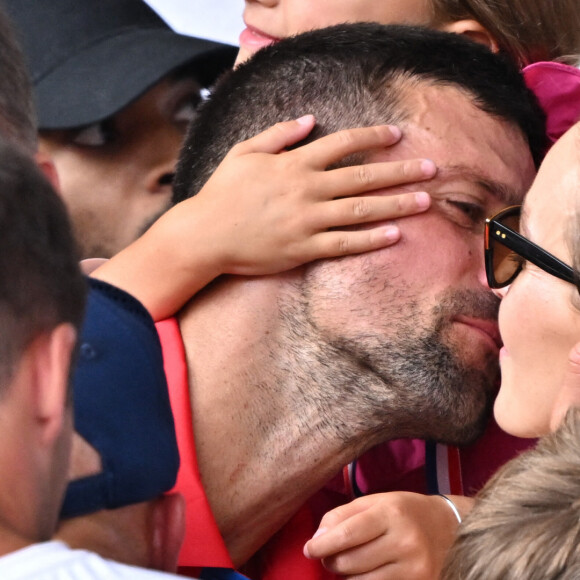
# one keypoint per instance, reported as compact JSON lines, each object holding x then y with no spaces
{"x":526,"y":30}
{"x":90,"y":59}
{"x":17,"y":118}
{"x":526,"y":523}
{"x":350,"y":75}
{"x":41,"y":285}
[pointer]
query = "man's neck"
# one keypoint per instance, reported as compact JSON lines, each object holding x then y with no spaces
{"x":264,"y":443}
{"x":11,"y":541}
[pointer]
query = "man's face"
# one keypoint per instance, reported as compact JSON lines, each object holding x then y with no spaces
{"x":115,"y":176}
{"x":419,"y":316}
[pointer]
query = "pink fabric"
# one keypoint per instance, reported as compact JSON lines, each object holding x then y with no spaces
{"x":557,"y":87}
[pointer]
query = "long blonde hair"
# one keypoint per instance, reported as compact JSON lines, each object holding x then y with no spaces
{"x":526,"y":522}
{"x":526,"y":30}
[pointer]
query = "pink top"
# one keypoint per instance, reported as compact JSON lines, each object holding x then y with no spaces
{"x":557,"y":87}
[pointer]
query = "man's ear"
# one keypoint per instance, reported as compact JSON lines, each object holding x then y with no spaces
{"x":168,"y":531}
{"x":44,"y":161}
{"x":569,"y":395}
{"x":474,"y":31}
{"x":52,"y":354}
{"x":147,"y":534}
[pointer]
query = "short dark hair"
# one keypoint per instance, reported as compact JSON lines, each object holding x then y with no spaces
{"x":17,"y":117}
{"x":348,"y":76}
{"x":526,"y":522}
{"x":41,"y":285}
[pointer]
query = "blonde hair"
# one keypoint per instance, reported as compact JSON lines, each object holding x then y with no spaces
{"x":526,"y":522}
{"x":527,"y":30}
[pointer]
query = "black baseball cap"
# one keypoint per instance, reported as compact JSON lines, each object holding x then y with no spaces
{"x":121,"y":405}
{"x":91,"y":58}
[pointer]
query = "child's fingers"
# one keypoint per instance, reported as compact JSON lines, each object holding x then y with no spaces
{"x":277,"y":137}
{"x":357,"y":210}
{"x":335,"y":244}
{"x":361,"y":560}
{"x":350,"y":533}
{"x":383,"y":556}
{"x":357,"y":179}
{"x":336,"y":146}
{"x":348,"y":510}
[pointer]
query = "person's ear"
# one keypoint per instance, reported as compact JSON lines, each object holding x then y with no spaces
{"x":52,"y":360}
{"x":474,"y":31}
{"x":44,"y":161}
{"x":148,"y":534}
{"x":569,"y":394}
{"x":168,"y":531}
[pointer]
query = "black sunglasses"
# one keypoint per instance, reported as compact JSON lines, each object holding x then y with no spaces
{"x":506,"y":250}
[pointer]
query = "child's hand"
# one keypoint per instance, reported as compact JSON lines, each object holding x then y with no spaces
{"x":266,"y":210}
{"x":270,"y":210}
{"x":386,"y":536}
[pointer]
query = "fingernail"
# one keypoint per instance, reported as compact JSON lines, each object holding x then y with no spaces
{"x":428,"y":167}
{"x":422,"y":199}
{"x":319,"y":532}
{"x":392,"y":233}
{"x":395,"y":132}
{"x":305,"y":120}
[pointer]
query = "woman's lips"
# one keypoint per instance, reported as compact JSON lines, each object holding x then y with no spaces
{"x":253,"y":39}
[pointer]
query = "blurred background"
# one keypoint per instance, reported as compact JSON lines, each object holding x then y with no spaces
{"x":214,"y":19}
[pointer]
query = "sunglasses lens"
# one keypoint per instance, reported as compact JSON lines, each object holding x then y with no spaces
{"x":506,"y":264}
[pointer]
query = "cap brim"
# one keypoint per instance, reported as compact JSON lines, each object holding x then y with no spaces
{"x":104,"y":78}
{"x":121,"y":405}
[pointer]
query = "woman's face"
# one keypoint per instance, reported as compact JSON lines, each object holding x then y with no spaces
{"x":270,"y":20}
{"x":539,"y":318}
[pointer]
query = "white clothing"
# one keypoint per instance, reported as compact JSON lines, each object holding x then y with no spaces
{"x":56,"y":561}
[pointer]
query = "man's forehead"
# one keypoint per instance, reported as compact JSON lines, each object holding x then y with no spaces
{"x":466,"y":143}
{"x":450,"y":113}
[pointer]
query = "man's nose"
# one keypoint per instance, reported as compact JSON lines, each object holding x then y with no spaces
{"x":160,"y":177}
{"x":481,"y":272}
{"x":482,"y":276}
{"x":163,"y":161}
{"x":501,"y":292}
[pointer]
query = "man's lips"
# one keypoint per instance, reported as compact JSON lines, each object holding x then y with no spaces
{"x":254,"y":38}
{"x":488,"y":328}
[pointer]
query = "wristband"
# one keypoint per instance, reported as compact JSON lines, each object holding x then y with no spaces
{"x":452,"y":506}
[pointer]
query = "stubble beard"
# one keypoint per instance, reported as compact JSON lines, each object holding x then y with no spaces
{"x":408,"y":382}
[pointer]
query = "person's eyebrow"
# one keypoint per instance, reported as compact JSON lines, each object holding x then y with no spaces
{"x":500,"y":190}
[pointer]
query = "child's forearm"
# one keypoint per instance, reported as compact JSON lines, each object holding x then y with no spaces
{"x":158,"y":270}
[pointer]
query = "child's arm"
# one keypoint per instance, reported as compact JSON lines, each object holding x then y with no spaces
{"x":388,"y":536}
{"x":266,"y":210}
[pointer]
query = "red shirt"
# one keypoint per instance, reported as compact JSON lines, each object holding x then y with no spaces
{"x":203,"y":545}
{"x":396,"y":465}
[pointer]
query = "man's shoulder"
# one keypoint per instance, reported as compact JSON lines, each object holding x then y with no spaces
{"x":56,"y":561}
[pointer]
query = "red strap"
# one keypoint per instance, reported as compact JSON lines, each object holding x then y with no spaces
{"x":203,"y":545}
